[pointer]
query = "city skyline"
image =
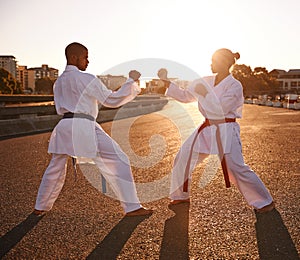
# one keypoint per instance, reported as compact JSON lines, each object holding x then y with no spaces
{"x":181,"y":32}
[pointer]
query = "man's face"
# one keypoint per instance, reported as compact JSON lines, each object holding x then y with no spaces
{"x":82,"y":60}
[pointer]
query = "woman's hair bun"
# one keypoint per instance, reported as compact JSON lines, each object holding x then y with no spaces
{"x":236,"y":55}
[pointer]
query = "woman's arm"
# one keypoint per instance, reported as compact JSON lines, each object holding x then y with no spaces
{"x":173,"y":90}
{"x":182,"y":95}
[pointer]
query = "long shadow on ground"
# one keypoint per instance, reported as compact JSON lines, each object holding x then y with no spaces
{"x":14,"y":236}
{"x":175,"y":244}
{"x":111,"y":246}
{"x":273,"y":239}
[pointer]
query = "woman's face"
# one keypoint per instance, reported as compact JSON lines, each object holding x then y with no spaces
{"x":219,"y":63}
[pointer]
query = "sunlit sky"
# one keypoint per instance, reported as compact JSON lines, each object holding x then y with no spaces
{"x":264,"y":32}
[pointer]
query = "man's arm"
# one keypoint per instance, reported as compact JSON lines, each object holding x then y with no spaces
{"x":128,"y":91}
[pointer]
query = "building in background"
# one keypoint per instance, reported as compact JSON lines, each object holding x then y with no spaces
{"x":289,"y":80}
{"x":22,"y":77}
{"x":37,"y":73}
{"x":112,"y":82}
{"x":156,"y":86}
{"x":9,"y":63}
{"x":28,"y":76}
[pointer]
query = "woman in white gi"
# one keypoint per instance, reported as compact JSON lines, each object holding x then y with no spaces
{"x":220,"y":100}
{"x":76,"y":96}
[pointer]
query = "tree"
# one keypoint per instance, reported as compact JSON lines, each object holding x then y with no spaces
{"x":261,"y":71}
{"x":245,"y":75}
{"x":44,"y":86}
{"x":256,"y":82}
{"x":8,"y":84}
{"x":241,"y":71}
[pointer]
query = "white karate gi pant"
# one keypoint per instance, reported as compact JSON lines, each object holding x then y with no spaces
{"x":240,"y":174}
{"x":113,"y":164}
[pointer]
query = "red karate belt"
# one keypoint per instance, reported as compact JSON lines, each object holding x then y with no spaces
{"x":206,"y":123}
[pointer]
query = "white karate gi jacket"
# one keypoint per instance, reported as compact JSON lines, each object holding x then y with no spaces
{"x":78,"y":92}
{"x":224,"y":100}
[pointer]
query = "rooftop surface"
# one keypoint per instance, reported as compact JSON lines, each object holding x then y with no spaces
{"x":217,"y":224}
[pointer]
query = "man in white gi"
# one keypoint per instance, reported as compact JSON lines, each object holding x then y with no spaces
{"x":77,"y":95}
{"x":220,"y":100}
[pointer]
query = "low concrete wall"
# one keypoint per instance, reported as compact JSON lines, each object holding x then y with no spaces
{"x":7,"y":99}
{"x":25,"y":120}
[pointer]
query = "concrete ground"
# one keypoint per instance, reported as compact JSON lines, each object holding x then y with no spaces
{"x":217,"y":224}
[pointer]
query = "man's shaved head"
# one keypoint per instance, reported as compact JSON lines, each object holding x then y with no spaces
{"x":77,"y":55}
{"x":74,"y":48}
